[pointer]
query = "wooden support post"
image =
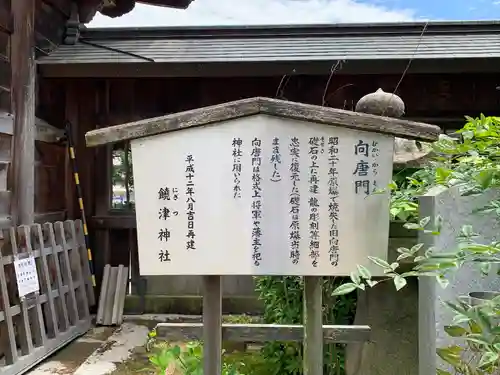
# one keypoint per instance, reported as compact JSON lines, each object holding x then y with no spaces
{"x":23,"y":96}
{"x":212,"y":325}
{"x":313,"y":326}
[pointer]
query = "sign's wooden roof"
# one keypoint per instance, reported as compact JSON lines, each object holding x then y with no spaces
{"x":271,"y":107}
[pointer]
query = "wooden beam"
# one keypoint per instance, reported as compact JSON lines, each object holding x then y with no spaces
{"x":262,"y":332}
{"x":118,"y":221}
{"x":23,"y":97}
{"x":212,"y":323}
{"x":313,"y":325}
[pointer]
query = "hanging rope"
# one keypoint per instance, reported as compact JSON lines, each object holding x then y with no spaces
{"x":71,"y":152}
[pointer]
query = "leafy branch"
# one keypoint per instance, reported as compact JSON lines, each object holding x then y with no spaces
{"x":469,"y":162}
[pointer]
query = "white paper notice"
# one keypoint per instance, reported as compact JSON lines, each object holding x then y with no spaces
{"x":27,"y":276}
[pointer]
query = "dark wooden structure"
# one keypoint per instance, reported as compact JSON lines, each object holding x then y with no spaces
{"x":100,"y":77}
{"x":34,"y":163}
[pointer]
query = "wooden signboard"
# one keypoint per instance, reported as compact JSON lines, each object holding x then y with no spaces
{"x":261,"y":195}
{"x":262,"y":187}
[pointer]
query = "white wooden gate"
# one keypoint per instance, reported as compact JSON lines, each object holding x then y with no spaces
{"x":33,"y":328}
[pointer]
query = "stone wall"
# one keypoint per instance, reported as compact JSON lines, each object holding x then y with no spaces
{"x":456,"y":211}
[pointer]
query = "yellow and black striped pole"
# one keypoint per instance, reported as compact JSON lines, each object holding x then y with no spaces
{"x":71,"y":151}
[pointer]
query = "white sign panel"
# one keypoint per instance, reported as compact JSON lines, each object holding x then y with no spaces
{"x":26,"y":276}
{"x":261,"y":195}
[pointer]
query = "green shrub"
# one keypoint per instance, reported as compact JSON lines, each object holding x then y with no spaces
{"x":282,"y":297}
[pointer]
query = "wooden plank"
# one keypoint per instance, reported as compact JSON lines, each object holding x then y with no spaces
{"x":23,"y":90}
{"x":313,"y":325}
{"x":67,"y":273}
{"x":41,"y":218}
{"x":60,"y":303}
{"x":273,"y":107}
{"x":49,"y":307}
{"x":9,"y":259}
{"x":7,"y":334}
{"x":76,"y":253}
{"x":25,"y":338}
{"x":123,"y":292}
{"x":110,"y":297}
{"x":35,"y":314}
{"x":262,"y":332}
{"x":212,"y":323}
{"x":103,"y":294}
{"x":119,"y":300}
{"x":85,"y":256}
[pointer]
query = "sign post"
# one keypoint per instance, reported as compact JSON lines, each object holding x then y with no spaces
{"x":262,"y":187}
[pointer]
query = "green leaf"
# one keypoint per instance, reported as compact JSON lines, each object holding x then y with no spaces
{"x":442,"y":372}
{"x":485,"y":178}
{"x":403,"y":250}
{"x":450,"y":355}
{"x":154,"y":360}
{"x":399,"y":282}
{"x":355,"y":278}
{"x":344,"y":289}
{"x":371,"y":283}
{"x":478,"y":339}
{"x":455,"y":331}
{"x":442,"y":175}
{"x":380,"y":262}
{"x":488,"y":358}
{"x":403,"y":256}
{"x":416,"y":248}
{"x":176,"y":350}
{"x":364,"y":272}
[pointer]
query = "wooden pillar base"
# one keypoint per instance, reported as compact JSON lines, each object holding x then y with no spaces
{"x":212,"y":325}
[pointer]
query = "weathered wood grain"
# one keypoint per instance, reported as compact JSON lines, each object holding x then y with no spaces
{"x":103,"y":295}
{"x":84,"y":255}
{"x":49,"y":307}
{"x":272,"y":107}
{"x":313,"y":325}
{"x":262,"y":332}
{"x":23,"y":95}
{"x":35,"y":313}
{"x":8,"y":335}
{"x":22,"y":321}
{"x":78,"y":261}
{"x":67,"y":276}
{"x":212,"y":322}
{"x":39,"y":334}
{"x":63,"y":318}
